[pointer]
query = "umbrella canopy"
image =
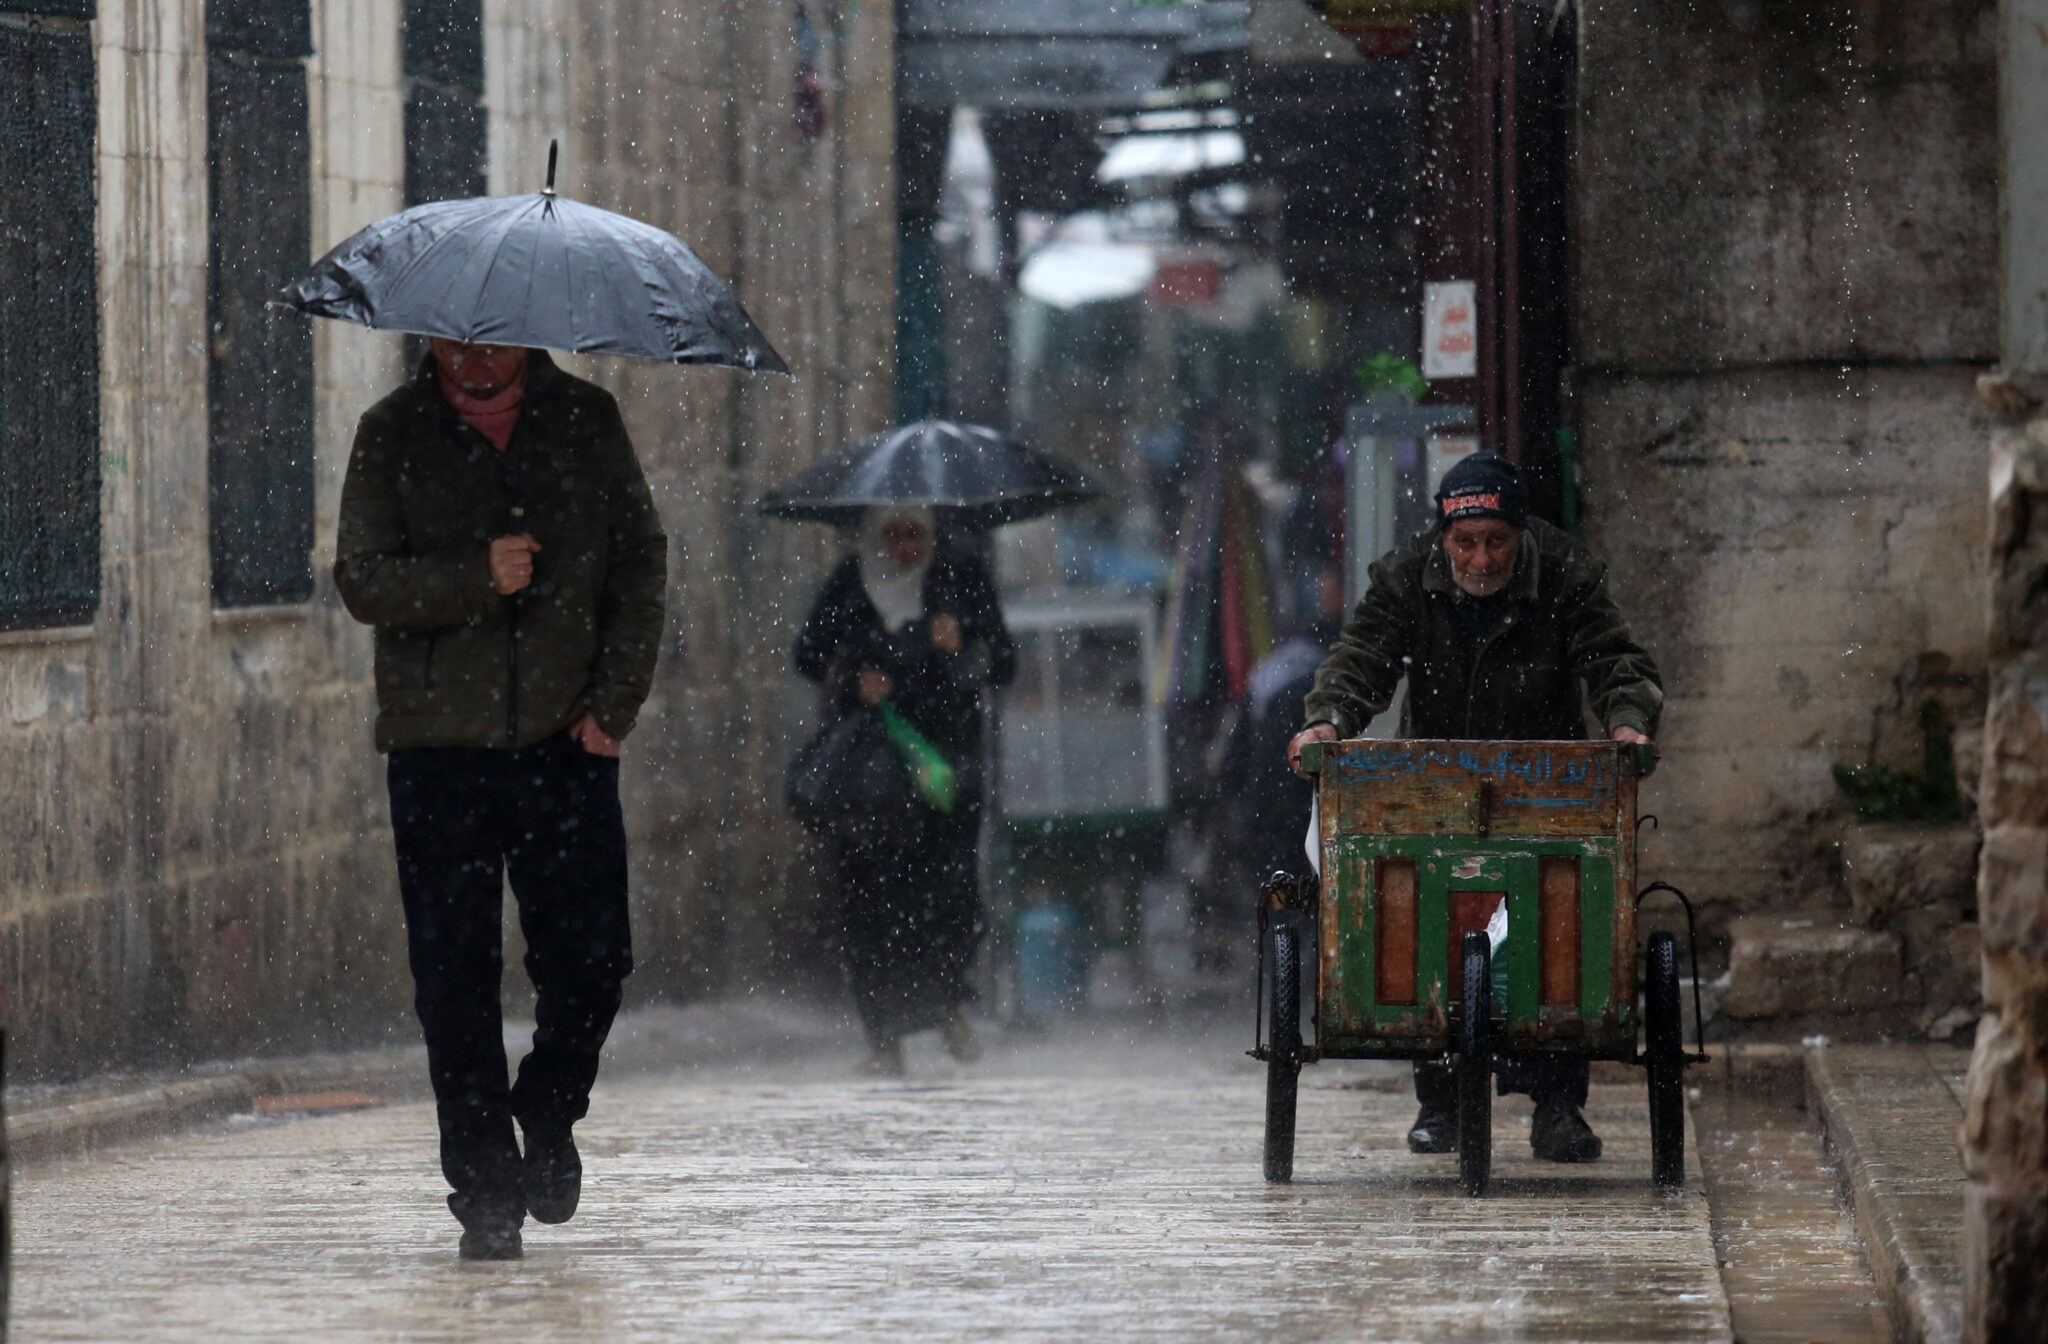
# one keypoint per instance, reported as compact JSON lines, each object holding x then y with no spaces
{"x":538,"y":270}
{"x":984,"y":477}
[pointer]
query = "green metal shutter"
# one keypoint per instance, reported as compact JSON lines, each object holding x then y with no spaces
{"x":49,"y":326}
{"x":260,"y":371}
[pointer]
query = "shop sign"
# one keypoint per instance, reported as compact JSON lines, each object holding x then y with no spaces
{"x":1384,"y":29}
{"x":1338,"y":12}
{"x":1450,"y":330}
{"x":1179,"y":284}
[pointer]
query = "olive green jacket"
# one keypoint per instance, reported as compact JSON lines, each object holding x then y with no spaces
{"x":457,"y":664}
{"x":1559,"y":629}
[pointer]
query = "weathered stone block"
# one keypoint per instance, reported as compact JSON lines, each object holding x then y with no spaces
{"x":1780,"y":967}
{"x":1968,"y":744}
{"x":1951,"y":970}
{"x":2005,"y":1243}
{"x":2014,"y":786}
{"x":2010,"y":892}
{"x":1892,"y":869}
{"x":1924,"y":931}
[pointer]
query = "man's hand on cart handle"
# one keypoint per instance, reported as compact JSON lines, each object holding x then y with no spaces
{"x":1315,"y":732}
{"x":1624,"y":733}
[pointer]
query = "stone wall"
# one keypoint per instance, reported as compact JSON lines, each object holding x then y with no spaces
{"x":201,"y":870}
{"x":2005,"y":1127}
{"x":203,"y":861}
{"x":687,"y":118}
{"x":1787,"y":252}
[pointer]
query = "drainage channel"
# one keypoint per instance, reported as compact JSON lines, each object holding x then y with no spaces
{"x":1791,"y":1261}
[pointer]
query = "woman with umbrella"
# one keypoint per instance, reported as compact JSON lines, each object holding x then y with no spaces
{"x":908,"y":621}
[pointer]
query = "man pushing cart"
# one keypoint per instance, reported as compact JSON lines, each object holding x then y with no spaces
{"x":1497,"y":620}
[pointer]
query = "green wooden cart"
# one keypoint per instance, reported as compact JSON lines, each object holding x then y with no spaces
{"x":1423,"y":842}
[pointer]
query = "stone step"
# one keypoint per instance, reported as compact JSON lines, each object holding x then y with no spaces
{"x":1890,"y":869}
{"x":1801,"y":966}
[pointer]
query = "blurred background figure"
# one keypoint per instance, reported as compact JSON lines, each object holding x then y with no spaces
{"x":1264,"y":804}
{"x":905,"y":621}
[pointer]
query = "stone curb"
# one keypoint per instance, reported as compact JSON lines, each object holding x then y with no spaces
{"x":69,"y":1121}
{"x":1890,"y":1120}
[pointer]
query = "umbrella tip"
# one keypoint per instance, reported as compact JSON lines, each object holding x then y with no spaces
{"x":553,"y":147}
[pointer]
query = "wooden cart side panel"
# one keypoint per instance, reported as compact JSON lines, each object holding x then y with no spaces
{"x":1523,"y":943}
{"x":1596,"y":936}
{"x":1477,"y":816}
{"x":1350,"y":1013}
{"x":1348,"y":937}
{"x":1473,"y":788}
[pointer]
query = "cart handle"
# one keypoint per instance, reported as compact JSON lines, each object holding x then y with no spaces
{"x":1692,"y":943}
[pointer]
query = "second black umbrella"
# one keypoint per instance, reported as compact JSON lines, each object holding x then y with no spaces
{"x":985,"y":478}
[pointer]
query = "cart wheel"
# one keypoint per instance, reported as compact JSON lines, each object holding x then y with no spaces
{"x":1283,"y":1063}
{"x":1665,"y":1062}
{"x":1475,"y":1067}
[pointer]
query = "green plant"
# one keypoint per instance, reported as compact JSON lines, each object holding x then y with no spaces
{"x":1387,"y":372}
{"x":1929,"y":794}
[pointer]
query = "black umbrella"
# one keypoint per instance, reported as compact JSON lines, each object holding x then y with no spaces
{"x":537,"y":270}
{"x":985,"y":478}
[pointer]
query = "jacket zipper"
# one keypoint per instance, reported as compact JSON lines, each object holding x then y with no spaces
{"x":512,"y":676}
{"x":515,"y":507}
{"x":1500,"y":628}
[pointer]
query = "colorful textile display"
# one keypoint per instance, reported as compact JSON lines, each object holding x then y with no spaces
{"x":1220,"y":616}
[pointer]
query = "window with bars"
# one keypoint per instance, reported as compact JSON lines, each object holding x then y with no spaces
{"x":260,"y":370}
{"x":444,"y":43}
{"x":447,"y":131}
{"x":49,"y":321}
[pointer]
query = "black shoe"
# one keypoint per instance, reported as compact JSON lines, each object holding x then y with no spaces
{"x":1559,"y":1133}
{"x":551,"y":1176}
{"x":491,"y":1241}
{"x":1433,"y":1132}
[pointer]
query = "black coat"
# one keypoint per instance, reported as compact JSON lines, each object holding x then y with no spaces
{"x":458,"y":665}
{"x":1558,"y":628}
{"x":940,"y":693}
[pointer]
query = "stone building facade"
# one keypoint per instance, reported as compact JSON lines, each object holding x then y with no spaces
{"x":199,"y":861}
{"x":1787,"y":244}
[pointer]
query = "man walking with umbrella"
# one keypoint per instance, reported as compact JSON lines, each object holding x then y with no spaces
{"x":498,"y":533}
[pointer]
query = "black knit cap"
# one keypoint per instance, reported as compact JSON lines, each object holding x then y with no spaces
{"x":1483,"y":485}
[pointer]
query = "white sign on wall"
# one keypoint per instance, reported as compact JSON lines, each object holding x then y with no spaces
{"x":1445,"y":451}
{"x":1450,"y":329}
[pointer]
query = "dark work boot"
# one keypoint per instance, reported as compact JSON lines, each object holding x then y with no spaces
{"x":491,"y":1241}
{"x":551,"y":1175}
{"x":1559,"y":1133}
{"x":490,"y":1224}
{"x":1435,"y":1131}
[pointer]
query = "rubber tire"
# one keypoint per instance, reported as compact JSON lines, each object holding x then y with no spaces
{"x":1283,"y":1058}
{"x":1664,"y":1061}
{"x":1475,"y":1067}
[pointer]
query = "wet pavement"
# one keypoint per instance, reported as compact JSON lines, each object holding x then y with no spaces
{"x":1088,"y":1188}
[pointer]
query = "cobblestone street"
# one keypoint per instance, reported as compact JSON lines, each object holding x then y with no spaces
{"x":1092,"y":1188}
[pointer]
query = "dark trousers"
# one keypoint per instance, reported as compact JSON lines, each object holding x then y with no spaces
{"x":549,"y":816}
{"x":909,"y":923}
{"x":1557,"y":1079}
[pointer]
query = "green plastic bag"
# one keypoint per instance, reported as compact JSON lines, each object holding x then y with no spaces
{"x":937,"y":782}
